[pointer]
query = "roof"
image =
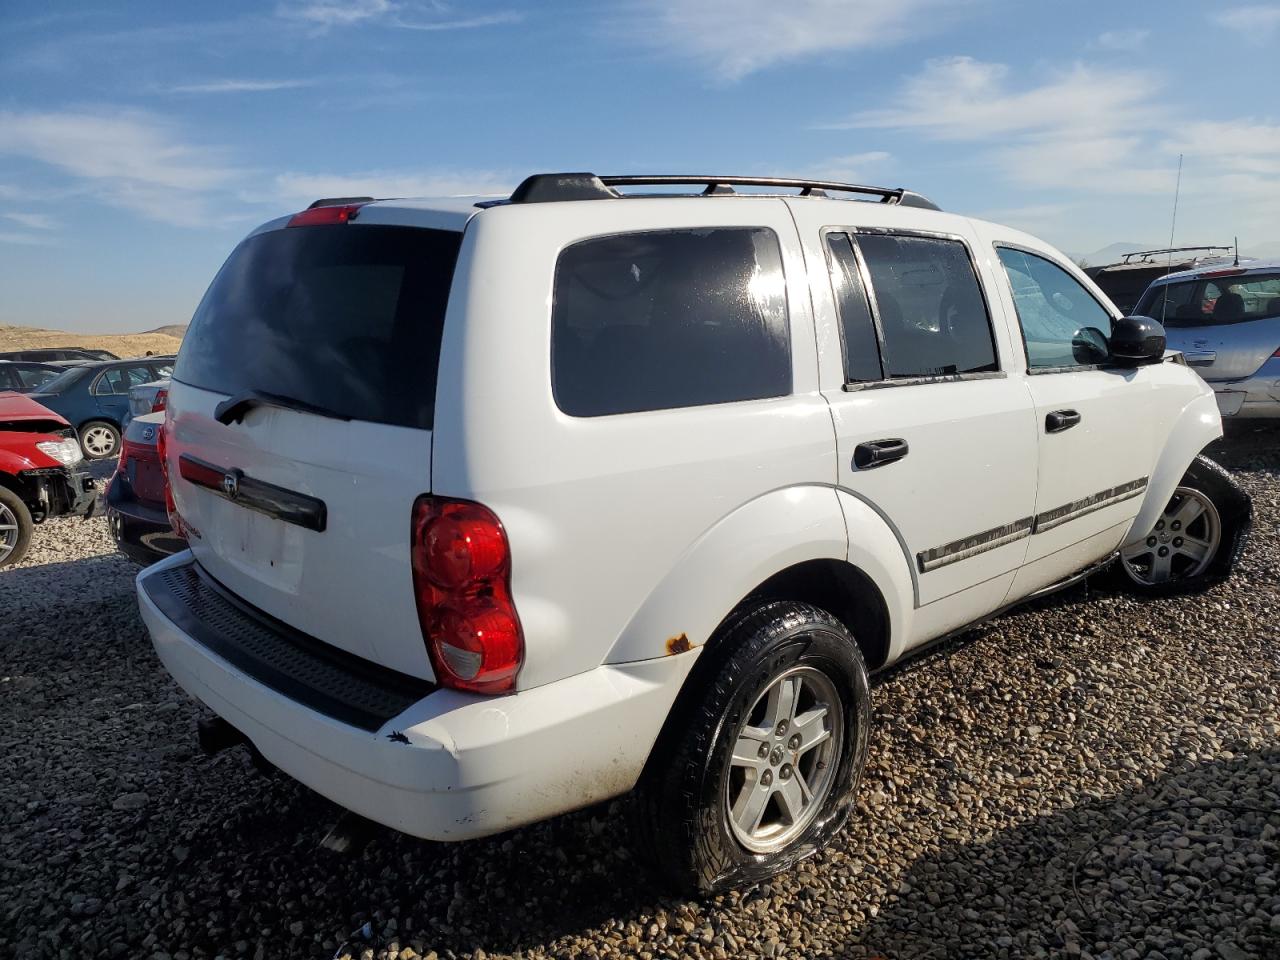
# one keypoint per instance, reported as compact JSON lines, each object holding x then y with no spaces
{"x":1245,"y":268}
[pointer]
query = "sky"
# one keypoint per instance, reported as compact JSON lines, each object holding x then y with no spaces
{"x":140,"y":141}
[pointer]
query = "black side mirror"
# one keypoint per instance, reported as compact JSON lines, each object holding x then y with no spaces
{"x":1137,"y":340}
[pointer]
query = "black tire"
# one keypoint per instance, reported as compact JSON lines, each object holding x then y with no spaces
{"x":681,"y":808}
{"x":1234,"y":512}
{"x":100,"y":428}
{"x":13,"y":549}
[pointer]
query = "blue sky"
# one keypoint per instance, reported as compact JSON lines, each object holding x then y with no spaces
{"x":139,"y":141}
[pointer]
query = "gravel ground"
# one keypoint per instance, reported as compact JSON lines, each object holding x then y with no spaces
{"x":1090,"y":776}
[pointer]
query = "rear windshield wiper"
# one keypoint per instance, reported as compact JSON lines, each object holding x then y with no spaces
{"x":233,"y":409}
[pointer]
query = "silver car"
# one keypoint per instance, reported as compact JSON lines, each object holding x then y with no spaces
{"x":1226,"y":322}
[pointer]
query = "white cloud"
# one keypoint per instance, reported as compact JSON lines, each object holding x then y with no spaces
{"x":1257,"y":23}
{"x":1123,"y":41}
{"x":326,"y":14}
{"x":33,"y":221}
{"x":127,"y":158}
{"x":25,"y":239}
{"x":850,"y":168}
{"x":302,"y":188}
{"x":738,"y":37}
{"x":239,"y":86}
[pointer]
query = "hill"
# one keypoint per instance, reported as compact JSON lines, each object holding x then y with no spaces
{"x":178,"y":330}
{"x":160,"y":341}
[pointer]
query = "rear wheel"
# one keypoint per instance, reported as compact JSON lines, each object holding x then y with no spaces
{"x":1195,"y":541}
{"x":16,"y":527}
{"x":757,"y":765}
{"x":99,"y":440}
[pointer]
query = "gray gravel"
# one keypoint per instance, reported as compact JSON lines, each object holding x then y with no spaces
{"x":1089,"y":777}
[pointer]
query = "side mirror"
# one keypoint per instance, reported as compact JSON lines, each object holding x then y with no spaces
{"x":1137,"y":340}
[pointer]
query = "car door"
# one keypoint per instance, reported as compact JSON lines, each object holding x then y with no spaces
{"x":112,"y":389}
{"x":1094,"y":420}
{"x":931,"y":431}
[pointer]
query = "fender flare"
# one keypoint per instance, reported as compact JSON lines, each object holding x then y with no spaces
{"x":1196,"y":426}
{"x":734,"y":556}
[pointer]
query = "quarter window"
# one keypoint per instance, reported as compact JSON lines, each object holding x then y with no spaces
{"x":933,"y":318}
{"x":858,"y":331}
{"x":664,"y":319}
{"x":1062,"y":324}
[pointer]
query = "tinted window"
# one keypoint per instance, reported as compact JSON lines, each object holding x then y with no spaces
{"x":1214,"y":302}
{"x":932,"y":315}
{"x":343,"y":317}
{"x":119,"y":379}
{"x":857,"y":331}
{"x":647,"y":321}
{"x":1062,"y":324}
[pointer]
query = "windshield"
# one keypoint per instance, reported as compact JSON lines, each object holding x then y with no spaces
{"x":1214,"y":301}
{"x":63,"y":381}
{"x":347,"y":318}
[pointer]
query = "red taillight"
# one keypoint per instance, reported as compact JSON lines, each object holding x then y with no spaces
{"x":1277,"y":353}
{"x":462,"y":585}
{"x":161,"y":401}
{"x":162,"y":446}
{"x":318,"y":216}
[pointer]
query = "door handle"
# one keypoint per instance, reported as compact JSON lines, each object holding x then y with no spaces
{"x":1060,"y":420}
{"x":1203,"y":358}
{"x":877,"y":453}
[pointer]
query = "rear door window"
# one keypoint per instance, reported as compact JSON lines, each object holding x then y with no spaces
{"x":345,"y":317}
{"x":670,"y":318}
{"x":118,"y":380}
{"x":933,"y":318}
{"x":857,"y":329}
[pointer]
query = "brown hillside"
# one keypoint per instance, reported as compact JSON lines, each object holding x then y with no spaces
{"x":121,"y":344}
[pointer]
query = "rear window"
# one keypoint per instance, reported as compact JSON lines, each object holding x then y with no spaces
{"x":64,"y":381}
{"x":343,"y":317}
{"x":669,"y":318}
{"x":1214,"y":301}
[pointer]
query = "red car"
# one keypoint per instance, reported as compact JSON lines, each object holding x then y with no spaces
{"x":41,"y":473}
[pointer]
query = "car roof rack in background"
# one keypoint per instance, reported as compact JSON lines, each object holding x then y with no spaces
{"x":550,"y":187}
{"x":1147,"y":254}
{"x":339,"y":201}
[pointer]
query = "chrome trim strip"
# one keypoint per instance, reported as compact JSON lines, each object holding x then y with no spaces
{"x":1079,"y":508}
{"x":973,"y":545}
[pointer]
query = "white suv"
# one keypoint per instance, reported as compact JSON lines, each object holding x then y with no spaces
{"x":502,"y":508}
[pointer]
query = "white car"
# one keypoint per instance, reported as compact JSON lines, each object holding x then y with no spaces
{"x":497,"y":509}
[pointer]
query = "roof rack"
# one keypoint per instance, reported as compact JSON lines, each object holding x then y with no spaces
{"x":1127,"y":258}
{"x":339,"y":201}
{"x":548,"y":187}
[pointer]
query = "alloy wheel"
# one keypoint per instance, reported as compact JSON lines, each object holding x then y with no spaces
{"x":784,"y":759}
{"x":1182,"y":543}
{"x":8,"y":532}
{"x":99,"y":442}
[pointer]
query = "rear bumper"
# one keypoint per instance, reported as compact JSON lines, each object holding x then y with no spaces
{"x":141,"y":530}
{"x":1255,"y":396}
{"x":450,"y":766}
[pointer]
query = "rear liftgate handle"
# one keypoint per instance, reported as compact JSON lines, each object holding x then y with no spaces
{"x":1060,"y":420}
{"x":878,"y":453}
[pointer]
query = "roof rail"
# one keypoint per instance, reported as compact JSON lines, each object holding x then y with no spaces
{"x":548,"y":187}
{"x":1163,"y":250}
{"x":339,"y":201}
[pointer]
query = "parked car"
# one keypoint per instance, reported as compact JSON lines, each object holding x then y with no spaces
{"x":1226,"y":322}
{"x":50,"y":354}
{"x":95,"y":398}
{"x":41,"y":473}
{"x":25,"y":377}
{"x":1126,"y":280}
{"x":146,"y":398}
{"x":137,"y":513}
{"x":515,"y":506}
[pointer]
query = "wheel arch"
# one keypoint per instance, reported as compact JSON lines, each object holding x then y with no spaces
{"x":1197,"y":425}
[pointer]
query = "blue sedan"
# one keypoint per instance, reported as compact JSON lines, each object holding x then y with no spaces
{"x":94,"y":398}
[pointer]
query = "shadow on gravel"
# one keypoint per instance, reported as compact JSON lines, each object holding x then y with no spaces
{"x":1190,"y":861}
{"x":31,"y":591}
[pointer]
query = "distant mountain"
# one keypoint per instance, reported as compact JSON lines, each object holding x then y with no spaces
{"x":158,"y":342}
{"x":1113,"y":252}
{"x":178,"y":330}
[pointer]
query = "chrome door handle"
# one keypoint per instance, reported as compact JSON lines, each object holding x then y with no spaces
{"x":1201,"y":359}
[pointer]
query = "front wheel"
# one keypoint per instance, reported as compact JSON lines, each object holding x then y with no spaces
{"x":1196,"y":540}
{"x":757,"y":766}
{"x":16,"y":527}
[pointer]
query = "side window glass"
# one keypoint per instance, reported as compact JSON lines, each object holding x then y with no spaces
{"x":1062,"y":324}
{"x":137,"y":376}
{"x":7,"y":378}
{"x":163,"y":370}
{"x":111,"y":382}
{"x":932,"y":315}
{"x":663,"y":319}
{"x":858,"y":332}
